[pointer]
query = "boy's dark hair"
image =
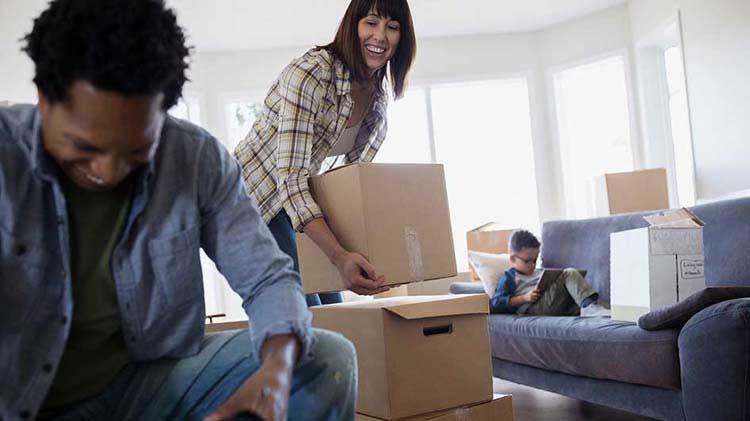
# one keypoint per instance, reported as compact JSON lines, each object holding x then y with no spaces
{"x":522,"y":239}
{"x":132,"y":47}
{"x":346,"y":45}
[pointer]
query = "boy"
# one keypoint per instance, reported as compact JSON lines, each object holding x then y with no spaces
{"x":517,"y":290}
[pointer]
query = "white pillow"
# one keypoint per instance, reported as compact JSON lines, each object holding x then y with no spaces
{"x":489,"y":267}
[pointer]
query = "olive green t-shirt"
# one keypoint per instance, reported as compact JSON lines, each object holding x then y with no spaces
{"x":95,"y":351}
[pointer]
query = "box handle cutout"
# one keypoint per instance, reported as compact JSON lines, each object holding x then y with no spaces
{"x":438,"y":330}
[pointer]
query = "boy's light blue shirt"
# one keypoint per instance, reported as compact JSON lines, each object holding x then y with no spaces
{"x":190,"y":196}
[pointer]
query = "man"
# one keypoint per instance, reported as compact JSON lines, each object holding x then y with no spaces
{"x":104,"y":204}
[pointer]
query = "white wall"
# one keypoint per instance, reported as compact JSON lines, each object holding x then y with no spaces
{"x":646,"y":15}
{"x":568,"y":44}
{"x":716,"y":43}
{"x":717,"y":63}
{"x":16,"y":69}
{"x":218,"y":75}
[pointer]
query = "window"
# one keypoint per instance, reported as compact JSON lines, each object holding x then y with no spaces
{"x":408,"y":138}
{"x":680,"y":126}
{"x":482,"y":134}
{"x":594,"y":128}
{"x":240,"y":118}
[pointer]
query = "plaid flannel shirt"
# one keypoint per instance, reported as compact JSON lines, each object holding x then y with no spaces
{"x":304,"y":114}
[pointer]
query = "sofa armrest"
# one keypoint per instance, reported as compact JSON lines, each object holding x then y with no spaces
{"x":715,"y":362}
{"x":467,"y":288}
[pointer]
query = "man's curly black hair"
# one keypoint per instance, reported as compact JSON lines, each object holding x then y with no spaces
{"x":132,"y":47}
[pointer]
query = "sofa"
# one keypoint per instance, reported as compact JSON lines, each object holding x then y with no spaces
{"x":698,"y":372}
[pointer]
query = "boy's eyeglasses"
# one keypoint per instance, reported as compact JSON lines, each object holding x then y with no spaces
{"x":526,"y":261}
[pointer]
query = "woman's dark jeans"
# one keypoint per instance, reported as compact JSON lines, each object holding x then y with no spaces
{"x":282,"y":230}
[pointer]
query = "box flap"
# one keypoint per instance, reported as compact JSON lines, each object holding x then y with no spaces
{"x":420,"y":307}
{"x":676,"y":218}
{"x":492,"y":226}
{"x":340,"y":167}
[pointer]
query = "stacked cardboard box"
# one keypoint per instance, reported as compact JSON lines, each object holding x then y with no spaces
{"x":656,"y":266}
{"x":624,"y":192}
{"x":416,"y":355}
{"x":499,"y":409}
{"x":395,"y":215}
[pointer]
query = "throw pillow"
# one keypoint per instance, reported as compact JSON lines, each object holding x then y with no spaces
{"x":489,"y":267}
{"x":678,"y":314}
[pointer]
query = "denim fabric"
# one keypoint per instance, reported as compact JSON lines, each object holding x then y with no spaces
{"x":324,"y":388}
{"x":282,"y":230}
{"x":190,"y":196}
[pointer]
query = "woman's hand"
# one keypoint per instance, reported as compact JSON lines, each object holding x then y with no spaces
{"x":358,"y":274}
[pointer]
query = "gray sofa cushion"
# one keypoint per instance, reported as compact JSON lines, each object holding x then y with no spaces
{"x":588,"y":346}
{"x":677,"y":315}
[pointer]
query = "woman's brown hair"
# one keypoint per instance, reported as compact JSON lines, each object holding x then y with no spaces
{"x":347,"y":48}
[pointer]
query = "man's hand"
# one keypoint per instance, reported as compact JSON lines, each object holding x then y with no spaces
{"x":532,"y":295}
{"x":266,"y":393}
{"x":359,"y":275}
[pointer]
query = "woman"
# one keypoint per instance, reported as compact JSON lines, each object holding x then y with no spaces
{"x":329,"y":103}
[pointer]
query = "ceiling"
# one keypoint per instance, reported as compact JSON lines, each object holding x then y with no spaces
{"x":222,"y":25}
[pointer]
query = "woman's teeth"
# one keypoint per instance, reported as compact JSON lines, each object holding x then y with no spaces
{"x":375,"y":50}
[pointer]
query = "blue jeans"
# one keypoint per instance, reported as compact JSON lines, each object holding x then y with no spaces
{"x":190,"y":388}
{"x":282,"y":230}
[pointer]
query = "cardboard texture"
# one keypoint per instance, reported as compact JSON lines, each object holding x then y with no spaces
{"x":624,"y":192}
{"x":657,"y":266}
{"x":415,"y":354}
{"x":499,"y":409}
{"x":491,"y":237}
{"x":396,"y":215}
{"x":437,"y":286}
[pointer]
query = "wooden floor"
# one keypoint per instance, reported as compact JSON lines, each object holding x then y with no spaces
{"x":531,"y":404}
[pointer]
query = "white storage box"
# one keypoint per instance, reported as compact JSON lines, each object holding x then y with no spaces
{"x":657,"y":266}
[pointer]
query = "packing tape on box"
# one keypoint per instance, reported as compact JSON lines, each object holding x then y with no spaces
{"x":463,"y":414}
{"x":414,"y":252}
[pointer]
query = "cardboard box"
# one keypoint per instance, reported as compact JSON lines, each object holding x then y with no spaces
{"x":437,"y":286}
{"x":499,"y":409}
{"x":415,"y":354}
{"x":396,"y":215}
{"x":624,"y":192}
{"x":657,"y":266}
{"x":491,"y":237}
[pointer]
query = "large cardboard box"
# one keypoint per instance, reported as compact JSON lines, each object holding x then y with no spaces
{"x":396,"y":215}
{"x":657,"y":266}
{"x":634,"y":191}
{"x":415,"y":354}
{"x":499,"y":409}
{"x":491,"y":237}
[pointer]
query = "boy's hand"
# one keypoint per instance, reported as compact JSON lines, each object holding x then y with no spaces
{"x":532,"y":295}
